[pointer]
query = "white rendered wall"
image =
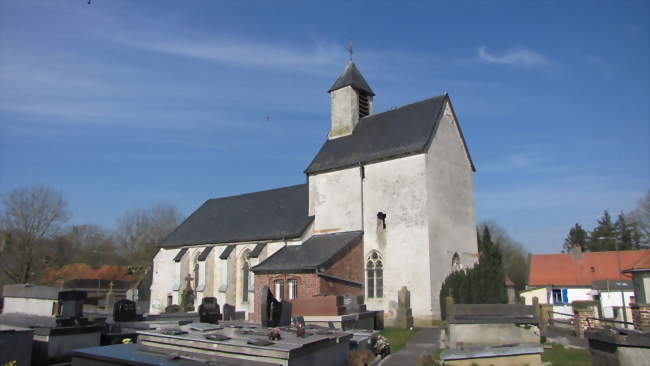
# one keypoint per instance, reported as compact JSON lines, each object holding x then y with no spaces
{"x":450,"y":205}
{"x":398,"y":189}
{"x":335,"y":199}
{"x":222,"y":277}
{"x":344,"y":105}
{"x":42,"y":307}
{"x":164,"y":278}
{"x":611,"y":299}
{"x":540,"y":293}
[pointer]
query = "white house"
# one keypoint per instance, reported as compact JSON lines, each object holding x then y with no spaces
{"x":560,"y":279}
{"x":388,"y":202}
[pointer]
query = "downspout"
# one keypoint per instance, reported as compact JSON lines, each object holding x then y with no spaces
{"x":362,"y":175}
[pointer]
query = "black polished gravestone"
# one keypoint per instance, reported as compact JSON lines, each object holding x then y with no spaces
{"x":209,"y":311}
{"x":124,"y":311}
{"x":228,"y":312}
{"x":273,"y":312}
{"x":72,"y":303}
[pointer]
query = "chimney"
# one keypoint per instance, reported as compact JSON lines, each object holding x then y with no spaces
{"x":351,"y":100}
{"x":576,"y":251}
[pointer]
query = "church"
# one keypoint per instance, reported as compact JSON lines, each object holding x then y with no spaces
{"x":388,"y":202}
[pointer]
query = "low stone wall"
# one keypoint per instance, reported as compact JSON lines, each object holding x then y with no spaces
{"x":479,"y":335}
{"x":619,"y":347}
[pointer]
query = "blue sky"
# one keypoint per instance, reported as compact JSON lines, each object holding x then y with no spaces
{"x":125,"y":104}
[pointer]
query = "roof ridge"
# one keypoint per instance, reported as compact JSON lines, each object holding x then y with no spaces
{"x":256,"y":192}
{"x":400,"y":107}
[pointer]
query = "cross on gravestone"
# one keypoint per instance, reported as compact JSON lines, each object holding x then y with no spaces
{"x":187,"y":298}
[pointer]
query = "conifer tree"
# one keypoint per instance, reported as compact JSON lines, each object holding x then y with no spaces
{"x":577,"y":236}
{"x":603,"y":236}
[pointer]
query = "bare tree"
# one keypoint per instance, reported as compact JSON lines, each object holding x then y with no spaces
{"x":29,"y":217}
{"x":140,"y":231}
{"x":640,"y":217}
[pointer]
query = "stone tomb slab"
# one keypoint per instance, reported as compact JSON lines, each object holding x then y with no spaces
{"x":316,"y":349}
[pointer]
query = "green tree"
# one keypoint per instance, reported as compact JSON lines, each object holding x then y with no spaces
{"x":603,"y":236}
{"x":482,"y":284}
{"x":577,"y":236}
{"x":625,"y":234}
{"x":513,"y":254}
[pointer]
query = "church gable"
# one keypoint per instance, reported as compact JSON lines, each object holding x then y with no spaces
{"x":394,"y":133}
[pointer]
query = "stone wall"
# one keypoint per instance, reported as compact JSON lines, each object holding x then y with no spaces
{"x":641,"y":316}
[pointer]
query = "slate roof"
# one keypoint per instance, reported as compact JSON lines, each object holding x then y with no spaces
{"x":351,"y":76}
{"x":565,"y":270}
{"x":401,"y":131}
{"x":273,"y":214}
{"x":318,"y":251}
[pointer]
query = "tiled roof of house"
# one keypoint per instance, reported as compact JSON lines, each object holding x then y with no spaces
{"x":583,"y":270}
{"x":643,"y":264}
{"x":75,"y":271}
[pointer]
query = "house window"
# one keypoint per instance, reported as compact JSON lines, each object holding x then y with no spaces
{"x":375,"y":274}
{"x":278,"y":285}
{"x":293,"y":289}
{"x":560,"y":296}
{"x":170,"y":300}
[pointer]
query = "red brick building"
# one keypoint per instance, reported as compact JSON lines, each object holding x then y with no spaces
{"x":328,"y":264}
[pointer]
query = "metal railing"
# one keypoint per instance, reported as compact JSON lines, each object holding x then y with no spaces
{"x":552,"y":320}
{"x":605,"y":320}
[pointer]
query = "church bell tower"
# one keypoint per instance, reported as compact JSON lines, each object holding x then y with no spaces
{"x":351,"y":100}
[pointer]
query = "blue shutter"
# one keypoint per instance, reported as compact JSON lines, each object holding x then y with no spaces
{"x":565,"y":298}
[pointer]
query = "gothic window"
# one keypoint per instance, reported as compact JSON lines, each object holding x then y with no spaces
{"x":293,"y":289}
{"x":375,"y":274}
{"x":246,"y":275}
{"x":455,"y":262}
{"x":195,"y":269}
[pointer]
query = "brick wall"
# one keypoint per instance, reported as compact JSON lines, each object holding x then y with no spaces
{"x":349,"y":266}
{"x":641,"y":317}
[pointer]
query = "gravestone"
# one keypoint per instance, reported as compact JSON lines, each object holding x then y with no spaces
{"x":228,"y":312}
{"x":404,"y":318}
{"x":285,"y":314}
{"x":187,"y":297}
{"x":109,"y":301}
{"x":271,"y":310}
{"x":72,"y":303}
{"x":124,"y":311}
{"x":209,"y":311}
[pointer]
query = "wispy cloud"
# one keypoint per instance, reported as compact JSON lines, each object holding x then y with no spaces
{"x":246,"y":53}
{"x":600,"y":65}
{"x":517,"y":56}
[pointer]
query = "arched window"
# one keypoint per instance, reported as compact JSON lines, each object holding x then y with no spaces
{"x":246,"y":278}
{"x":455,"y":262}
{"x":195,"y":269}
{"x":375,"y":274}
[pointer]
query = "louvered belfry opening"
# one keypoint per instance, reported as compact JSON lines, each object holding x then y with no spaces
{"x":364,"y":105}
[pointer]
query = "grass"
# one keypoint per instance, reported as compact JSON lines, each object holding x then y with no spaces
{"x":397,"y":337}
{"x":560,"y":356}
